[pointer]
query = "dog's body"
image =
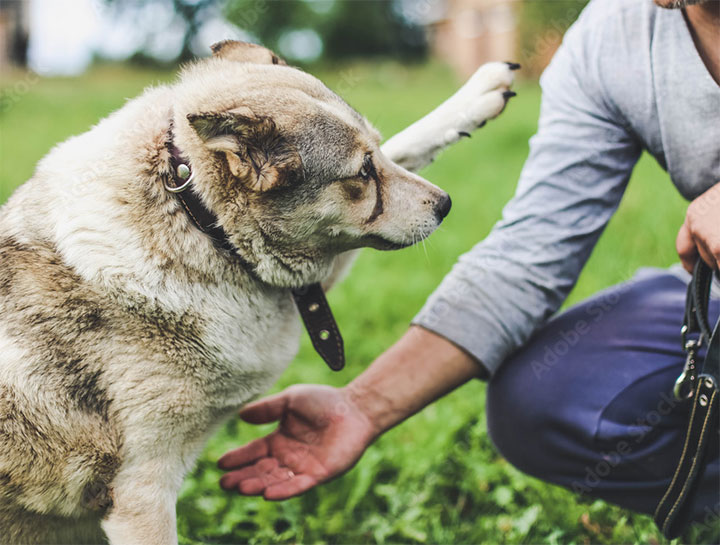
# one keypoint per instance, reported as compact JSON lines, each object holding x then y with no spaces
{"x":126,"y":336}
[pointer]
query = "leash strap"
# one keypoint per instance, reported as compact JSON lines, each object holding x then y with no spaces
{"x":310,"y":300}
{"x":672,"y":513}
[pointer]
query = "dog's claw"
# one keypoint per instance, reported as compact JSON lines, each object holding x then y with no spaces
{"x":509,"y":94}
{"x":513,"y":66}
{"x":481,"y":125}
{"x":463,"y":133}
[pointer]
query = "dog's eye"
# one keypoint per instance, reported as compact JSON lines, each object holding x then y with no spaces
{"x":367,"y":168}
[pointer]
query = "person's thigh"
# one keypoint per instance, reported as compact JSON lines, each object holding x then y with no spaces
{"x":588,"y":402}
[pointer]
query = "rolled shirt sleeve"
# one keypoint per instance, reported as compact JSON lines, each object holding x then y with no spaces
{"x":580,"y":161}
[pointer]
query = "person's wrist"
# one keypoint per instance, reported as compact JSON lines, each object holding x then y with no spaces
{"x":375,"y":408}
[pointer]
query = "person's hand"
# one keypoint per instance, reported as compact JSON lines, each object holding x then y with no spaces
{"x":322,"y":433}
{"x":700,"y":234}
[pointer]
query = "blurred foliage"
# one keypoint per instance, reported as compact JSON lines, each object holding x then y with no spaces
{"x":348,"y":29}
{"x":191,"y":12}
{"x":436,"y":478}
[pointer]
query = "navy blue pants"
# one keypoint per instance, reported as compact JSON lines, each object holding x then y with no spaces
{"x":588,"y":404}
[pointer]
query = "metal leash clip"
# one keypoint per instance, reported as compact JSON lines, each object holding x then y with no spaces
{"x":685,"y":383}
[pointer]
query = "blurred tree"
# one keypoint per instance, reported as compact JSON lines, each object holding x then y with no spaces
{"x":359,"y":28}
{"x":337,"y":28}
{"x":191,"y":12}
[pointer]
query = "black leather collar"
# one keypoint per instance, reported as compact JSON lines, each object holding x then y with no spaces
{"x":310,"y":300}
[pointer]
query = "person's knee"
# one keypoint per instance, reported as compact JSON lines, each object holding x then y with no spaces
{"x":536,"y":425}
{"x":516,"y":418}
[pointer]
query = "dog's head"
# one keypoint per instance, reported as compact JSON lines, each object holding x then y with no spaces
{"x":294,"y":174}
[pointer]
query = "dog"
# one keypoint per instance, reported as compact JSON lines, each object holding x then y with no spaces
{"x":127,"y":334}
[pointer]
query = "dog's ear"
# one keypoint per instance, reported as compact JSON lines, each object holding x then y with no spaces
{"x":245,"y":52}
{"x":256,"y":152}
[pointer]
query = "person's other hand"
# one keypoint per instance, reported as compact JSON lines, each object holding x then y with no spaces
{"x":321,"y":434}
{"x":700,"y":234}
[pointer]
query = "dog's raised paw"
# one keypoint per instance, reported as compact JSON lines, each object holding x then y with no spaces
{"x":490,"y":77}
{"x":484,"y":96}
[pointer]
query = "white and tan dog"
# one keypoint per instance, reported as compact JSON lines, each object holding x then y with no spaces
{"x":127,"y":336}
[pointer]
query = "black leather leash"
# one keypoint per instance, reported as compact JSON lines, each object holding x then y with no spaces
{"x":701,"y":387}
{"x":310,"y":300}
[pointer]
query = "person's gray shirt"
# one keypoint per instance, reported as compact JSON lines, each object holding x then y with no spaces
{"x":626,"y":78}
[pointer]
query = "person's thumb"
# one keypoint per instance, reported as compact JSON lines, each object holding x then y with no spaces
{"x":265,"y":410}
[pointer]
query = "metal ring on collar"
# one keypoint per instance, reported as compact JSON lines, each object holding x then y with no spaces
{"x":184,"y":186}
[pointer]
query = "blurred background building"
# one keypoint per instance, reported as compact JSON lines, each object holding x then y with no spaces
{"x":472,"y":32}
{"x":66,"y":36}
{"x":14,"y":32}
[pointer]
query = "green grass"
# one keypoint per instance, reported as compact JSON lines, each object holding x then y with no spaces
{"x":435,"y":478}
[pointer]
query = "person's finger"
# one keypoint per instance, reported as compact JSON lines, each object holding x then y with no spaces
{"x":244,"y":455}
{"x":251,"y":487}
{"x":229,"y":481}
{"x":261,"y":468}
{"x":292,"y":487}
{"x":255,"y":485}
{"x":712,"y":245}
{"x":705,"y":254}
{"x":265,"y":410}
{"x":686,"y":248}
{"x":253,"y":480}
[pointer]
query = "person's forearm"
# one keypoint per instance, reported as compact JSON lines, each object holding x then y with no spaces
{"x":418,"y":369}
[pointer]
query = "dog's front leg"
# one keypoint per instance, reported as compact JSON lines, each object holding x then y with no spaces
{"x":143,"y":510}
{"x":482,"y":97}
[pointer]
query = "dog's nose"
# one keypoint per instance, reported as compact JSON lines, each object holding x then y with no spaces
{"x":442,"y":207}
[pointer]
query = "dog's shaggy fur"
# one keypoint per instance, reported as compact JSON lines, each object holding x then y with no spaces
{"x":127,"y":336}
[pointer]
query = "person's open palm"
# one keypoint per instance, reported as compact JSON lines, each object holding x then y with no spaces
{"x":321,"y":434}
